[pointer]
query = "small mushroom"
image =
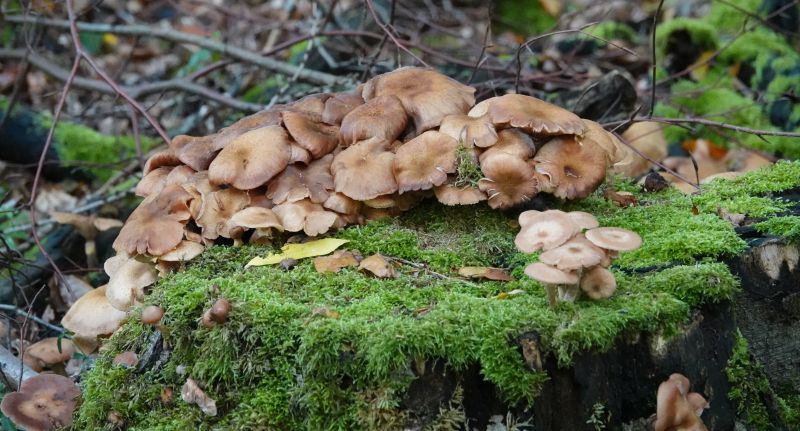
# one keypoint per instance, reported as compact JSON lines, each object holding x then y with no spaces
{"x":545,"y":231}
{"x":44,"y":402}
{"x":574,"y":254}
{"x":533,"y":115}
{"x":598,"y":283}
{"x":305,"y":215}
{"x":311,"y":133}
{"x":427,"y":95}
{"x":508,"y":181}
{"x":217,"y":208}
{"x":152,"y":314}
{"x":364,"y":171}
{"x":126,"y":359}
{"x":263,"y":220}
{"x":424,"y":162}
{"x":218,"y":313}
{"x":165,"y":158}
{"x":251,"y":159}
{"x":614,"y":238}
{"x":184,"y":252}
{"x":469,"y":131}
{"x":382,"y":117}
{"x":550,"y":277}
{"x":674,"y":410}
{"x":93,"y":316}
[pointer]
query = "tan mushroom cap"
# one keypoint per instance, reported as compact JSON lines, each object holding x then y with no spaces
{"x":152,"y":314}
{"x":311,"y":133}
{"x":469,"y":131}
{"x":87,"y":226}
{"x":508,"y":181}
{"x":184,"y":252}
{"x":156,"y":225}
{"x":511,"y":141}
{"x":576,"y":253}
{"x":251,"y":159}
{"x":126,"y":285}
{"x":342,"y":204}
{"x":583,"y":219}
{"x":424,"y":162}
{"x":299,"y":154}
{"x":312,"y":104}
{"x":533,"y":115}
{"x":299,"y":182}
{"x":673,"y":409}
{"x":450,"y":195}
{"x":305,"y":215}
{"x":364,"y":171}
{"x":197,"y":151}
{"x":614,"y":238}
{"x":427,"y":95}
{"x":338,"y":106}
{"x":44,"y":402}
{"x":92,"y":315}
{"x":45,"y":353}
{"x":598,"y":283}
{"x":545,"y":231}
{"x":256,"y":218}
{"x":153,"y":181}
{"x":573,"y":169}
{"x":159,"y":159}
{"x":217,"y":208}
{"x":179,"y":175}
{"x":550,"y":275}
{"x":382,"y":117}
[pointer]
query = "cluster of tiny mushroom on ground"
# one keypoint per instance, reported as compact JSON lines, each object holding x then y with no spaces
{"x":576,"y":252}
{"x":330,"y":160}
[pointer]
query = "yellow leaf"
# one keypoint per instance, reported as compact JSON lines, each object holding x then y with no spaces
{"x":484,"y":272}
{"x":319,"y":247}
{"x":110,"y":40}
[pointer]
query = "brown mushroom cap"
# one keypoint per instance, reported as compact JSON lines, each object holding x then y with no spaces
{"x":546,"y":230}
{"x":251,"y":159}
{"x":449,"y":194}
{"x":126,"y":285}
{"x":511,"y":141}
{"x":338,"y":106}
{"x":312,"y":104}
{"x":576,"y":253}
{"x":217,"y":208}
{"x":583,"y":219}
{"x":508,"y":181}
{"x":152,"y":314}
{"x":44,"y":402}
{"x":573,"y":169}
{"x":295,"y":183}
{"x":92,"y":315}
{"x":45,"y":353}
{"x":299,"y":154}
{"x":311,"y":133}
{"x":427,"y":95}
{"x":598,"y":283}
{"x":165,"y":158}
{"x":305,"y":215}
{"x":364,"y":171}
{"x":533,"y":115}
{"x":424,"y":162}
{"x":614,"y":238}
{"x":256,"y":218}
{"x":184,"y":252}
{"x":550,"y":275}
{"x":342,"y":204}
{"x":156,"y":225}
{"x":382,"y":117}
{"x":673,"y":409}
{"x":469,"y":131}
{"x":197,"y":152}
{"x":153,"y":181}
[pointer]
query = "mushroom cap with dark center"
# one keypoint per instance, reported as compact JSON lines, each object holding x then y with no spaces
{"x":576,"y":253}
{"x":511,"y":141}
{"x":573,"y":169}
{"x":469,"y":131}
{"x":251,"y":159}
{"x":424,"y":162}
{"x":44,"y":402}
{"x":598,"y":283}
{"x":338,"y":106}
{"x":533,"y":115}
{"x":311,"y":133}
{"x":545,"y":231}
{"x":508,"y":181}
{"x":92,"y":315}
{"x":382,"y":118}
{"x":427,"y":95}
{"x":614,"y":238}
{"x":550,"y":275}
{"x":156,"y":225}
{"x":364,"y":171}
{"x":299,"y":182}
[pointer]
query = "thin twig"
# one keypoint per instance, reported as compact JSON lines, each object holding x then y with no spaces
{"x":710,"y":123}
{"x":391,"y":35}
{"x":429,"y":271}
{"x":20,"y":312}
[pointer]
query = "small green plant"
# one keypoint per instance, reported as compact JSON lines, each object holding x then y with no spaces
{"x":599,"y":417}
{"x":468,"y":173}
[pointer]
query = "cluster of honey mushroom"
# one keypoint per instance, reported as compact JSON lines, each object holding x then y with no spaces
{"x":576,"y":252}
{"x":331,"y":160}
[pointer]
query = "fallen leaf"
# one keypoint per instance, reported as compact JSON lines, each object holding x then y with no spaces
{"x":732,"y":218}
{"x":319,"y":247}
{"x":192,"y":394}
{"x":484,"y":272}
{"x":621,"y":199}
{"x":378,"y":265}
{"x":335,"y":262}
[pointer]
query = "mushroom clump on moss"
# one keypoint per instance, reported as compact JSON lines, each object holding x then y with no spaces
{"x":331,"y":160}
{"x":576,"y":253}
{"x":677,"y":408}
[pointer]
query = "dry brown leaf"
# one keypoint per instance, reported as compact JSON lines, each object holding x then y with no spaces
{"x":192,"y":394}
{"x":377,"y":265}
{"x":488,"y":273}
{"x":621,"y":199}
{"x":733,"y":218}
{"x":335,"y":262}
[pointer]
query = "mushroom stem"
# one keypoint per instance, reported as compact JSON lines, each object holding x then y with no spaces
{"x":551,"y":294}
{"x":91,"y":253}
{"x":568,"y":292}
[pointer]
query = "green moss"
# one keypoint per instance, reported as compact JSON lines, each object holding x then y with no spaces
{"x":749,"y":385}
{"x":729,"y":17}
{"x":468,"y":173}
{"x":787,"y":227}
{"x":612,"y":30}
